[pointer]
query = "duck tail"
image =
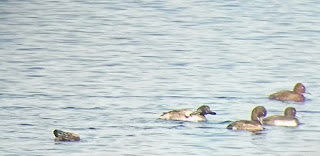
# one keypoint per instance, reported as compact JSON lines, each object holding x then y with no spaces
{"x":230,"y":126}
{"x":272,"y":96}
{"x":163,"y":115}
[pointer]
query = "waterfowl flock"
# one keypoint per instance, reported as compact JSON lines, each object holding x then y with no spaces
{"x":257,"y":122}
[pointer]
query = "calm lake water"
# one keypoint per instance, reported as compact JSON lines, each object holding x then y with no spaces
{"x":108,"y":69}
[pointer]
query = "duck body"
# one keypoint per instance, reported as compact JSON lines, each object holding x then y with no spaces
{"x":246,"y":125}
{"x":182,"y":115}
{"x":188,"y":114}
{"x":255,"y":124}
{"x":286,"y":95}
{"x":65,"y":136}
{"x":278,"y":120}
{"x":288,"y":119}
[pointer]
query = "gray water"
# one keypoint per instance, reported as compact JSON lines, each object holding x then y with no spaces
{"x":108,"y":69}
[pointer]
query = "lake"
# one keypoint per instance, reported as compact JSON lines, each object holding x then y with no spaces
{"x":108,"y":69}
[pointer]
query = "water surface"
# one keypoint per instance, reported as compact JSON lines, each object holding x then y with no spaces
{"x":108,"y":69}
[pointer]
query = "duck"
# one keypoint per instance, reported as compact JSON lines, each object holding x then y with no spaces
{"x":287,"y":95}
{"x":65,"y":136}
{"x":287,"y":120}
{"x":255,"y":124}
{"x":188,"y":115}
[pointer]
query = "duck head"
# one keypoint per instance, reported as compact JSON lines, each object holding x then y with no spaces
{"x":57,"y":132}
{"x":204,"y":110}
{"x":290,"y":112}
{"x":258,"y":113}
{"x":300,"y":88}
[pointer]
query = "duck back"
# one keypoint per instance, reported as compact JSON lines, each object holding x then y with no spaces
{"x":245,"y":125}
{"x":287,"y":96}
{"x":181,"y":114}
{"x":278,"y":120}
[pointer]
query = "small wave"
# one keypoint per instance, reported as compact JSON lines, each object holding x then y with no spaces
{"x":79,"y":108}
{"x":312,"y":112}
{"x":14,"y":107}
{"x":225,"y":122}
{"x":26,"y":124}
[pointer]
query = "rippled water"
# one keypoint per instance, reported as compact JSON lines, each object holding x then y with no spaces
{"x":108,"y":69}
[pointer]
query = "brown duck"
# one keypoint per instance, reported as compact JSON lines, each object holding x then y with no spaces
{"x":255,"y":124}
{"x":65,"y":136}
{"x":286,"y":95}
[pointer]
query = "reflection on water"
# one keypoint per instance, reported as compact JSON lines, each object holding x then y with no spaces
{"x":107,"y":70}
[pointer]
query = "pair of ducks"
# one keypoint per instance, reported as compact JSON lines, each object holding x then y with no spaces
{"x":255,"y":124}
{"x":257,"y":120}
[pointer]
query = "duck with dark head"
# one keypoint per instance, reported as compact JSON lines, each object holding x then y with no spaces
{"x":287,"y":120}
{"x":65,"y":136}
{"x":255,"y":124}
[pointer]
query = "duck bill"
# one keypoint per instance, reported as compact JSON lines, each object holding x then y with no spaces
{"x":307,"y":92}
{"x":260,"y":119}
{"x":212,"y":113}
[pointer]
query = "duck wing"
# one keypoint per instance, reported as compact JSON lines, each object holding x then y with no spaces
{"x":181,"y":114}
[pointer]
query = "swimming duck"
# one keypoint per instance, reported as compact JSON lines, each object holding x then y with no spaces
{"x":255,"y":124}
{"x":65,"y":136}
{"x":187,"y":114}
{"x":286,"y":95}
{"x":287,"y":120}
